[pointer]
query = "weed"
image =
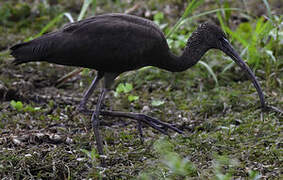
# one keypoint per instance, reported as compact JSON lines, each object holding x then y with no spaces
{"x":126,"y":88}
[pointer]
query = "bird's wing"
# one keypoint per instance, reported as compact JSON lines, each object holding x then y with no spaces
{"x":113,"y":41}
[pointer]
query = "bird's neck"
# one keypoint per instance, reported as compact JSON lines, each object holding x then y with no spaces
{"x":192,"y":53}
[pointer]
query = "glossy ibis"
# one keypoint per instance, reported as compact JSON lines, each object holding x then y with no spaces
{"x":116,"y":43}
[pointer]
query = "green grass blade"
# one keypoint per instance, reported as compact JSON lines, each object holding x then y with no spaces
{"x":211,"y":12}
{"x":208,"y":68}
{"x":221,"y":21}
{"x":191,"y":6}
{"x":268,"y":9}
{"x":194,"y":4}
{"x":227,"y":14}
{"x":85,"y":6}
{"x":69,"y":16}
{"x":48,"y":26}
{"x":229,"y":66}
{"x":214,"y":11}
{"x":238,"y":37}
{"x":93,"y":7}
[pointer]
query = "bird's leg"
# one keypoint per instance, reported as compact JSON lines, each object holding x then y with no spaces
{"x":87,"y":94}
{"x":142,"y":118}
{"x":95,"y":125}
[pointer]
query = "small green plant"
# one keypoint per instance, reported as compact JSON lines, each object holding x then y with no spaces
{"x":224,"y":168}
{"x":251,"y":37}
{"x":260,"y":39}
{"x":18,"y":105}
{"x":254,"y":175}
{"x":132,"y":98}
{"x":95,"y":172}
{"x":126,"y":88}
{"x":85,"y":71}
{"x":221,"y":163}
{"x":171,"y":165}
{"x":92,"y":155}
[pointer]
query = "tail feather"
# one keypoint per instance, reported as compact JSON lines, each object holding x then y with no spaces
{"x":20,"y":61}
{"x":34,"y":50}
{"x":20,"y":53}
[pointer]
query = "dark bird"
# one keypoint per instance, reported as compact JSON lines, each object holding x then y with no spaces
{"x":116,"y":43}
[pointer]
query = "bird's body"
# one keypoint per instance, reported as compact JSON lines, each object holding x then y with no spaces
{"x":115,"y":43}
{"x":112,"y":43}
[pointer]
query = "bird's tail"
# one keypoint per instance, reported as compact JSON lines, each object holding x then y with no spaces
{"x":34,"y":50}
{"x":22,"y":53}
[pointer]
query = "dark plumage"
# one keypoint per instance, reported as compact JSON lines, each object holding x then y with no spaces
{"x":115,"y":43}
{"x":103,"y":42}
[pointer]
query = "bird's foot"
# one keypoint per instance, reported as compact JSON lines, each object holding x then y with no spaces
{"x":273,"y":109}
{"x":156,"y":124}
{"x":267,"y":108}
{"x":142,"y":118}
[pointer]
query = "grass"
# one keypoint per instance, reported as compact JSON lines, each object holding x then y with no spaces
{"x":42,"y":136}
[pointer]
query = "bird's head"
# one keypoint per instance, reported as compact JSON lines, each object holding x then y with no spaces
{"x":214,"y":38}
{"x":211,"y":35}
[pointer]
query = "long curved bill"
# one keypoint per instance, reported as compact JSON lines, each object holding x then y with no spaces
{"x":228,"y":49}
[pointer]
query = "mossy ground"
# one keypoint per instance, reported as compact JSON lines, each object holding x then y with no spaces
{"x":48,"y":139}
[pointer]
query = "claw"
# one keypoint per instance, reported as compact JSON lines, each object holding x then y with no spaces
{"x":267,"y":108}
{"x":164,"y":124}
{"x":275,"y":109}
